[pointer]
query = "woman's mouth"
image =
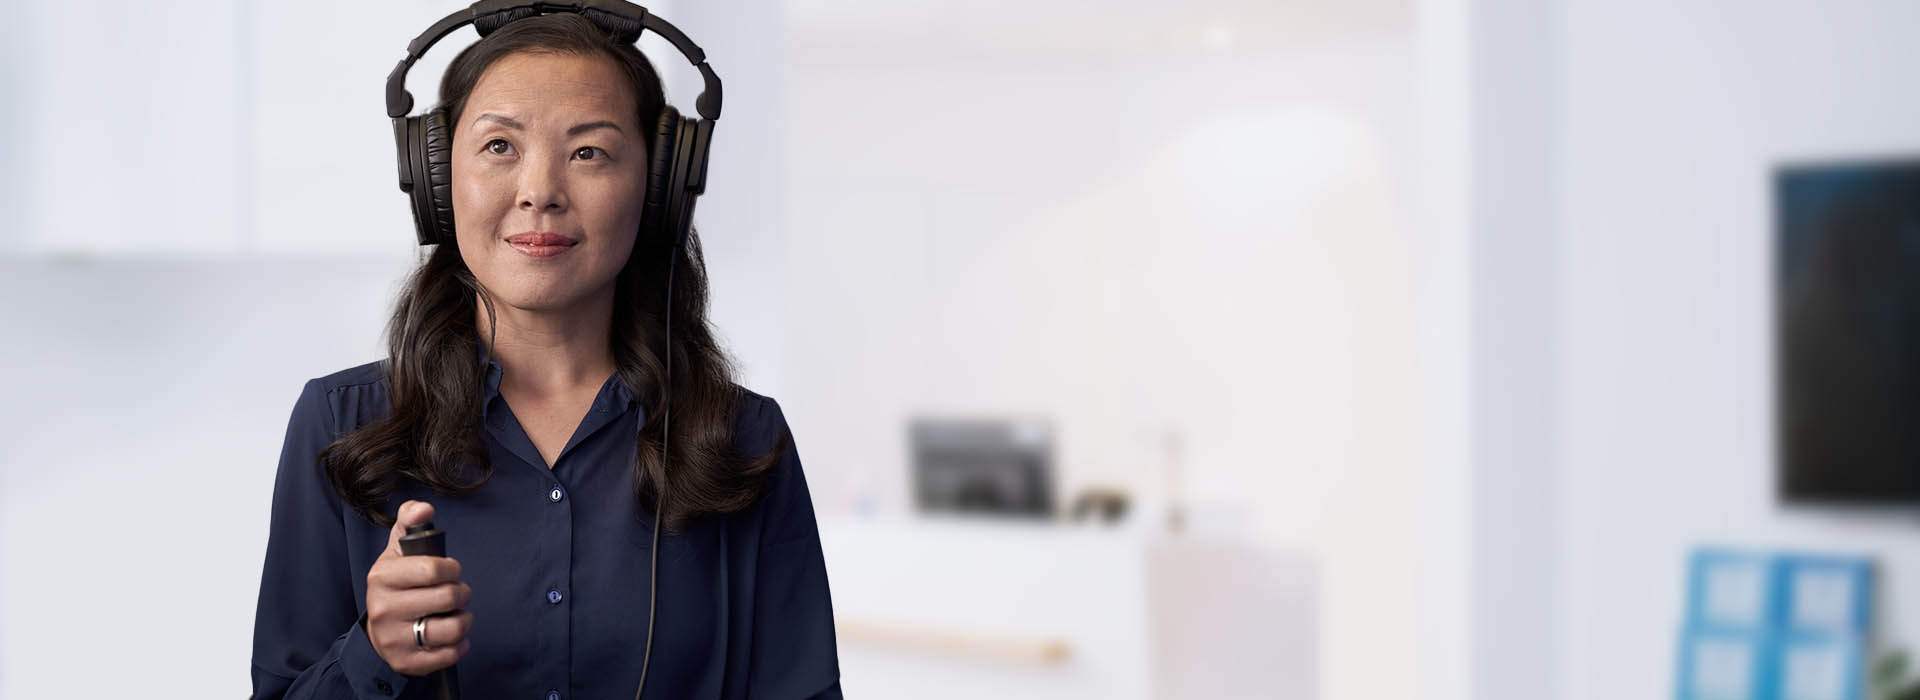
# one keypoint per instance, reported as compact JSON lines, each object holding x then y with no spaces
{"x":540,"y":244}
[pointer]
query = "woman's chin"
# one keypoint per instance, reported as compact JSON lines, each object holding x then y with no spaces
{"x":539,"y":300}
{"x":550,"y":289}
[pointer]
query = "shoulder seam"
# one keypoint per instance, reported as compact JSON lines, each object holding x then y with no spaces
{"x":343,"y":385}
{"x":337,"y":387}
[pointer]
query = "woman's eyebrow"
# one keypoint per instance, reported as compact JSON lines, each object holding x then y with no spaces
{"x":590,"y":126}
{"x":574,"y":131}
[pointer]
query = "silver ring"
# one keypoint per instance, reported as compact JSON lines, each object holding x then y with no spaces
{"x":420,"y":632}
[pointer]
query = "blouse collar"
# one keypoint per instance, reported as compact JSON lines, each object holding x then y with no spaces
{"x":612,"y":397}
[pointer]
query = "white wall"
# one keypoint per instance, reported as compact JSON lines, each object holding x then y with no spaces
{"x":1674,"y":114}
{"x":145,"y":407}
{"x":1133,"y":234}
{"x":1514,"y":358}
{"x":167,"y":184}
{"x":1486,"y":604}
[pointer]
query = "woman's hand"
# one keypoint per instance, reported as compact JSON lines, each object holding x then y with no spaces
{"x":401,"y":589}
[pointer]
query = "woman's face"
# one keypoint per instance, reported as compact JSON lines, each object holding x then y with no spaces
{"x":548,"y":144}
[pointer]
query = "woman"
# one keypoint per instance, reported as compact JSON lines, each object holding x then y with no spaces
{"x":519,"y":411}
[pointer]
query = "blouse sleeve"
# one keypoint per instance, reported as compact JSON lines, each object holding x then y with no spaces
{"x":794,"y":652}
{"x":308,"y":634}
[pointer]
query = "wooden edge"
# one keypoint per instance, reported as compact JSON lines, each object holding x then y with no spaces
{"x":1042,"y":651}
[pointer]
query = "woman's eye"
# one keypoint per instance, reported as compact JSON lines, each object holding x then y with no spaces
{"x":589,"y":150}
{"x":496,"y":151}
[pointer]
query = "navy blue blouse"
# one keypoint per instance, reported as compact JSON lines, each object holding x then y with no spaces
{"x":557,"y":560}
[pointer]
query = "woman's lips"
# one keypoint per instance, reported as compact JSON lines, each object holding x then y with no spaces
{"x":540,"y":251}
{"x":540,"y":245}
{"x":539,"y":238}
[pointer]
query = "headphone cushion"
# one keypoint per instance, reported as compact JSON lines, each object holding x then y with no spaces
{"x":439,"y":176}
{"x":660,"y":176}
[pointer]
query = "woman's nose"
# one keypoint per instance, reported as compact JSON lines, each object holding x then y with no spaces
{"x":541,"y":188}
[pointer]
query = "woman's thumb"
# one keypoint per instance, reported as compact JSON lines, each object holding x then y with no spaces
{"x":411,"y":513}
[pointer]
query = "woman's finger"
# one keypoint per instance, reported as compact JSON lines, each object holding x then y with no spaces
{"x":420,"y":662}
{"x":440,"y":630}
{"x":444,"y":629}
{"x":448,"y":630}
{"x":410,"y":603}
{"x":430,"y":660}
{"x":413,"y":572}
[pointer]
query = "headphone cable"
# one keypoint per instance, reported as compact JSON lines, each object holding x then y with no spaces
{"x":659,"y":487}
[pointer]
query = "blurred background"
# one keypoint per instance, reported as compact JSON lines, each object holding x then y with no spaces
{"x":1321,"y":349}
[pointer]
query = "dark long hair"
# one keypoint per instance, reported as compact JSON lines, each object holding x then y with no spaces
{"x":436,"y":372}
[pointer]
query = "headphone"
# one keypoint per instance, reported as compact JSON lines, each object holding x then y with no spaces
{"x":676,"y":176}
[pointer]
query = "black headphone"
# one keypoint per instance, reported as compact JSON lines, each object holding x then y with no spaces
{"x":676,"y":175}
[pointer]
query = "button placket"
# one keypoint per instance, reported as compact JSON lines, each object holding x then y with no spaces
{"x":557,"y":556}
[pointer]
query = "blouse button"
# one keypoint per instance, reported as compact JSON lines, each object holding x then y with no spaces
{"x":385,"y":687}
{"x":554,"y":495}
{"x":553,"y":596}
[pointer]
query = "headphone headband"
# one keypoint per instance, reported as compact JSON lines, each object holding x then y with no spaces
{"x":615,"y":16}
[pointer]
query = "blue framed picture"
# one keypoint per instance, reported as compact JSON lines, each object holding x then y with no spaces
{"x":1774,"y":626}
{"x":1823,"y":594}
{"x":1722,"y":664}
{"x":1731,"y":589}
{"x":1818,"y":667}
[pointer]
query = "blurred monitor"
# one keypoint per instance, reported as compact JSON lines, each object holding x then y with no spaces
{"x":1000,"y":467}
{"x":1847,"y":332}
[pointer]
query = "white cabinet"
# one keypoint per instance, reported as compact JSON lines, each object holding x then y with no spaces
{"x":952,"y":608}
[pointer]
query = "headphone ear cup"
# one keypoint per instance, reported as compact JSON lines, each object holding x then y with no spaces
{"x":683,"y":194}
{"x":439,"y":176}
{"x":655,"y":215}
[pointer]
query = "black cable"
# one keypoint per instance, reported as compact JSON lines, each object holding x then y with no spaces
{"x":659,"y":485}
